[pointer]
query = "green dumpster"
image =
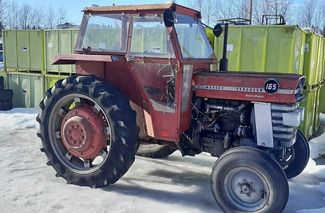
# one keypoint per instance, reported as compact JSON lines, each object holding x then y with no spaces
{"x":59,"y":42}
{"x":278,"y":49}
{"x":51,"y":79}
{"x":313,"y":64}
{"x":320,"y":60}
{"x":28,"y":89}
{"x":317,"y":111}
{"x":210,"y":35}
{"x":307,"y":126}
{"x":322,"y":100}
{"x":23,"y":50}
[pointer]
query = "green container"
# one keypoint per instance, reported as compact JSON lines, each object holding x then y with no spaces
{"x":51,"y":79}
{"x":322,"y":60}
{"x":322,"y":100}
{"x":314,"y":60}
{"x":59,"y":42}
{"x":23,"y":50}
{"x":210,"y":35}
{"x":307,"y":126}
{"x":28,"y":89}
{"x":317,"y":111}
{"x":142,"y":40}
{"x":272,"y":49}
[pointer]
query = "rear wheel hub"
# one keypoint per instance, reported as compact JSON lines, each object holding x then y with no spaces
{"x":83,"y":132}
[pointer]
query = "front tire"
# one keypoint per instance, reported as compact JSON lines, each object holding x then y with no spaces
{"x":88,"y":131}
{"x":246,"y":179}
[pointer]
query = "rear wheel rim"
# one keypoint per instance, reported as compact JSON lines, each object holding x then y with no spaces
{"x":246,"y":189}
{"x":68,"y":155}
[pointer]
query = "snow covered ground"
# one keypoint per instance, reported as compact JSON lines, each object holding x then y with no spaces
{"x":174,"y":184}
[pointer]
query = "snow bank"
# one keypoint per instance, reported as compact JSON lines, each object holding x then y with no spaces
{"x":315,"y":170}
{"x":317,"y":145}
{"x":19,"y":118}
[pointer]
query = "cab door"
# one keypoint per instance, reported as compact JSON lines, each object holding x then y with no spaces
{"x":153,"y":63}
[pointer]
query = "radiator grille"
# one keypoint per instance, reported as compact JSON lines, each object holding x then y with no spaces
{"x":285,"y":135}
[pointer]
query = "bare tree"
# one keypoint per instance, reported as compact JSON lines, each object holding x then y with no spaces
{"x":55,"y":18}
{"x":24,"y":16}
{"x":50,"y":18}
{"x":241,"y":9}
{"x":307,"y":13}
{"x":62,"y":16}
{"x":322,"y":17}
{"x":14,"y":8}
{"x":225,"y":9}
{"x":208,"y":12}
{"x":271,"y":7}
{"x":1,"y":20}
{"x":205,"y":7}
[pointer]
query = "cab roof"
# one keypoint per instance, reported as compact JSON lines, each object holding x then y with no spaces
{"x":143,"y":8}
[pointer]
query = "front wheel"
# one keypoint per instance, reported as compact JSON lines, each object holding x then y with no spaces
{"x":246,"y":179}
{"x":88,"y":131}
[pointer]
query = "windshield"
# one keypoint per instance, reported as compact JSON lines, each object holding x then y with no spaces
{"x":103,"y":32}
{"x":192,"y":38}
{"x":150,"y":38}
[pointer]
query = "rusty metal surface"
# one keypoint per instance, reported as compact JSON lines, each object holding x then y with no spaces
{"x":143,"y":8}
{"x":125,"y":8}
{"x":73,"y":58}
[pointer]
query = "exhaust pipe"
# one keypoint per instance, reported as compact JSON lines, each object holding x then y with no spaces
{"x":224,"y":60}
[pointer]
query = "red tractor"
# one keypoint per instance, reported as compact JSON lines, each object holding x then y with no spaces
{"x":147,"y":76}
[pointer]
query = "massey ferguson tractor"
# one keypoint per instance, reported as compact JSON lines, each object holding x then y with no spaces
{"x":147,"y":83}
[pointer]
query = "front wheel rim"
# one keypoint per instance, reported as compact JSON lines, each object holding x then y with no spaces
{"x":246,"y":189}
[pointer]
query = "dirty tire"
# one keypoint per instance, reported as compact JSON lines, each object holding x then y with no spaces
{"x":246,"y":179}
{"x":298,"y":156}
{"x":82,"y":95}
{"x":6,"y":105}
{"x":152,"y":150}
{"x":1,"y":83}
{"x":6,"y":94}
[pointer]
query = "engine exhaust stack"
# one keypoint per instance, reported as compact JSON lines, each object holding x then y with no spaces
{"x":217,"y":30}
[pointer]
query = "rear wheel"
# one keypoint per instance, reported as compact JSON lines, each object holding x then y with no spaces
{"x":88,"y":131}
{"x":246,"y":179}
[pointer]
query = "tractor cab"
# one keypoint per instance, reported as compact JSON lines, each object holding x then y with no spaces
{"x":160,"y":59}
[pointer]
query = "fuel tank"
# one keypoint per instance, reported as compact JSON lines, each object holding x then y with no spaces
{"x":259,"y":87}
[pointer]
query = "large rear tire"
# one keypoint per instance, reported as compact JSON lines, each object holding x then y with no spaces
{"x":246,"y":179}
{"x":88,"y":131}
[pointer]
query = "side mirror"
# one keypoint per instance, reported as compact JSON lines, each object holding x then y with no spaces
{"x":169,"y":18}
{"x":217,"y":30}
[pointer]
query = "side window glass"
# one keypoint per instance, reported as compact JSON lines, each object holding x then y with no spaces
{"x":150,"y":38}
{"x":105,"y":33}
